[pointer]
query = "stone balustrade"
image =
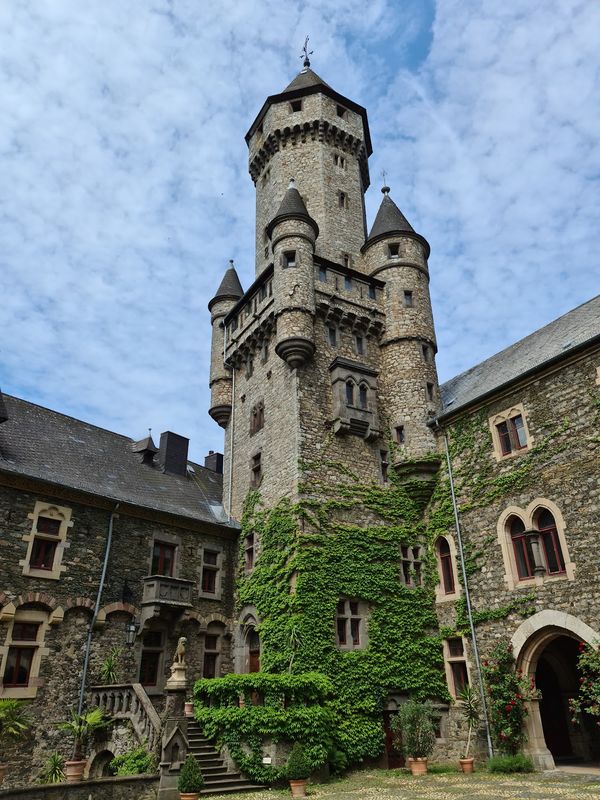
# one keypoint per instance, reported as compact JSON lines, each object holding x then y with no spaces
{"x":130,"y":701}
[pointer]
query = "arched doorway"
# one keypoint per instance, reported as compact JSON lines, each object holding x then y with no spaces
{"x":253,"y":648}
{"x":546,"y":647}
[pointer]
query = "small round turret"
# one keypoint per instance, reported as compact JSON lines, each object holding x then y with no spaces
{"x":228,"y":293}
{"x":293,"y":234}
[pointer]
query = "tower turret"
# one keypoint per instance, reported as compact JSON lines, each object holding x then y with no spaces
{"x":398,"y":255}
{"x":228,"y":293}
{"x":310,"y":130}
{"x":292,"y":234}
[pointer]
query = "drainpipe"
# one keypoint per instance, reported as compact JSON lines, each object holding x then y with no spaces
{"x":468,"y":599}
{"x":231,"y":433}
{"x":88,"y":645}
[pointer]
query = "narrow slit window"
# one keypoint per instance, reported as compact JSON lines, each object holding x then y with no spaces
{"x":347,"y":280}
{"x":349,"y":393}
{"x":332,"y":333}
{"x":393,"y":250}
{"x":359,"y":344}
{"x":400,"y":434}
{"x":289,"y":258}
{"x":371,"y":292}
{"x":429,"y":390}
{"x":363,"y":396}
{"x":323,"y":274}
{"x":384,"y":465}
{"x":343,"y":200}
{"x":341,"y":111}
{"x":408,"y":299}
{"x":256,"y":470}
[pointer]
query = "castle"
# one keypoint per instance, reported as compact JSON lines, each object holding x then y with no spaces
{"x":364,"y":522}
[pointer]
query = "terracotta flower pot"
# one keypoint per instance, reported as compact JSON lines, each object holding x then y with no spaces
{"x":466,"y":764}
{"x":2,"y":772}
{"x":418,"y":766}
{"x":188,"y":708}
{"x":298,"y":788}
{"x":74,"y":771}
{"x":189,"y":795}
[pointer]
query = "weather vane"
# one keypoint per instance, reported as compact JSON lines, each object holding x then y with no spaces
{"x":385,"y":188}
{"x":305,"y":54}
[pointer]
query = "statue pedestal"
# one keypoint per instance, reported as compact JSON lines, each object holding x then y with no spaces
{"x":178,"y":679}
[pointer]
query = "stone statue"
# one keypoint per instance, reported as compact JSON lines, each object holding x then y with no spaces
{"x":177,"y":681}
{"x":180,"y":651}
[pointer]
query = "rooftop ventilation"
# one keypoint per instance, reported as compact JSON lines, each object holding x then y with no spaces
{"x":146,"y":448}
{"x":173,"y":453}
{"x":214,"y":461}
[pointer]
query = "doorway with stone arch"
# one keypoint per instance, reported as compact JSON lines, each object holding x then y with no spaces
{"x":546,"y":647}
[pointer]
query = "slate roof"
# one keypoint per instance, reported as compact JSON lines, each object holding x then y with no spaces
{"x":292,"y":207}
{"x":577,"y":328}
{"x":389,"y":219}
{"x":304,"y":79}
{"x":230,"y":286}
{"x":38,"y":443}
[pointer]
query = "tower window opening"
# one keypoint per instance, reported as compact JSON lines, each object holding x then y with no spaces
{"x":259,"y":130}
{"x":346,"y":262}
{"x":265,"y":351}
{"x":234,"y":324}
{"x":249,"y":552}
{"x":332,"y":333}
{"x":289,"y":258}
{"x":267,"y":251}
{"x":347,"y":280}
{"x":343,"y":200}
{"x":408,"y":299}
{"x":341,"y":111}
{"x":411,"y":573}
{"x":384,"y":465}
{"x":371,"y":292}
{"x":393,"y":250}
{"x":262,"y":292}
{"x":249,"y":366}
{"x":270,"y":288}
{"x":296,"y":105}
{"x":363,"y":396}
{"x":323,"y":274}
{"x":349,"y":393}
{"x":256,"y":470}
{"x":400,"y":434}
{"x":426,"y":353}
{"x":359,"y":344}
{"x":429,"y":388}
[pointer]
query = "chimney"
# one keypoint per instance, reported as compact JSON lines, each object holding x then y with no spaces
{"x":3,"y":413}
{"x":214,"y":461}
{"x":173,"y":452}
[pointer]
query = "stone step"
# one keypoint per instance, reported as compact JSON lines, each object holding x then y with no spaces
{"x":202,"y":748}
{"x":209,"y":762}
{"x":239,"y":785}
{"x":220,"y":770}
{"x":246,"y":787}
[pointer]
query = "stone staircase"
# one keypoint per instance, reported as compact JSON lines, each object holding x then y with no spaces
{"x":216,"y":777}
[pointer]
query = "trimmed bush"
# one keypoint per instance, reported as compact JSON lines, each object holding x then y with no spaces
{"x":298,"y":767}
{"x":134,"y":762}
{"x":507,"y":764}
{"x":190,"y":776}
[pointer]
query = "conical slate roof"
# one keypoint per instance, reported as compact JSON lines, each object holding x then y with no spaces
{"x":307,"y":77}
{"x":389,"y":219}
{"x":230,"y":287}
{"x":292,"y":207}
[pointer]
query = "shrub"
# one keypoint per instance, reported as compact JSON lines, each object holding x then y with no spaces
{"x":190,"y":776}
{"x":53,"y":769}
{"x":415,"y":729}
{"x":134,"y":762}
{"x":298,"y":767}
{"x":109,"y":669}
{"x":517,"y":763}
{"x":588,"y":698}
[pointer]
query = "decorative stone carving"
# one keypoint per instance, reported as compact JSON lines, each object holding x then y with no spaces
{"x":354,"y":399}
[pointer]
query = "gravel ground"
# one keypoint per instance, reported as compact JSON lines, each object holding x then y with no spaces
{"x":398,"y":785}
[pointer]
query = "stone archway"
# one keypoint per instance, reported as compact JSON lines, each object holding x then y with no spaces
{"x":545,"y":647}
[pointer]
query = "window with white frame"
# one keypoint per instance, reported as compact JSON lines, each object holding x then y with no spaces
{"x":510,"y":434}
{"x":22,"y":652}
{"x":47,"y":541}
{"x":457,"y":674}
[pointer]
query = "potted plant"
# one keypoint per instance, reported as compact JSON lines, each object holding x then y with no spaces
{"x":414,"y":728}
{"x":188,"y":708}
{"x":14,"y":723}
{"x":53,"y":769}
{"x":470,"y":711}
{"x":109,"y":669}
{"x":81,"y":726}
{"x":298,"y":770}
{"x":190,"y":782}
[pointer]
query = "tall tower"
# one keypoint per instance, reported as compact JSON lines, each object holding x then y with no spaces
{"x":329,"y":355}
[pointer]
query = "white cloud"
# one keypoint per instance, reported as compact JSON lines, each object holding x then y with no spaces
{"x":125,"y":189}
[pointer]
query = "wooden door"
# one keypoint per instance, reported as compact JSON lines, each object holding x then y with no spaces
{"x":394,"y":756}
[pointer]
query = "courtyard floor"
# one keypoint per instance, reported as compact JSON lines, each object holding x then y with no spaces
{"x":398,"y":785}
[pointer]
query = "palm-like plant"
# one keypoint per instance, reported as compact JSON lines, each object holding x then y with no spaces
{"x":470,"y":711}
{"x":14,"y":720}
{"x":81,"y":726}
{"x":53,"y":769}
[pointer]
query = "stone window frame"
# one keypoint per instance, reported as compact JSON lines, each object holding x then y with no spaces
{"x":158,"y":687}
{"x":256,"y":469}
{"x":295,"y":106}
{"x":354,"y":619}
{"x":257,"y":417}
{"x":516,"y":410}
{"x":450,"y":659}
{"x":170,"y":539}
{"x":441,"y":596}
{"x":218,"y":568}
{"x":408,"y":559}
{"x":342,"y":200}
{"x":52,"y":511}
{"x":350,"y":417}
{"x":249,"y":552}
{"x":218,"y":629}
{"x":41,"y":618}
{"x":528,"y":516}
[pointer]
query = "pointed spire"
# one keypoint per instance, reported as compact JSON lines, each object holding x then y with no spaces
{"x":292,"y":207}
{"x":305,"y":78}
{"x":389,"y":221}
{"x":230,"y":288}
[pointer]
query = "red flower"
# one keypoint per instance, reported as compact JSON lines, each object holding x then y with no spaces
{"x":508,"y":707}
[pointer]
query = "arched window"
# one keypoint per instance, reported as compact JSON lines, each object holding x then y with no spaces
{"x":445,"y":565}
{"x":549,"y":542}
{"x":362,"y":396}
{"x":253,"y":648}
{"x":349,"y":393}
{"x":521,"y":548}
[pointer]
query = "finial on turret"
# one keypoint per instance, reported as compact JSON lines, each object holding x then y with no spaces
{"x":292,"y":184}
{"x":385,"y":188}
{"x":231,"y":263}
{"x":305,"y":55}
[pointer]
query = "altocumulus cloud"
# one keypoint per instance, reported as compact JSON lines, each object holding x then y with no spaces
{"x":125,"y":190}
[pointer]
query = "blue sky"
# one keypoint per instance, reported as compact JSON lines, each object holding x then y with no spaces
{"x":125,"y":189}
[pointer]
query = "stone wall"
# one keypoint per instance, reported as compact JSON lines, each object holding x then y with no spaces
{"x":135,"y":787}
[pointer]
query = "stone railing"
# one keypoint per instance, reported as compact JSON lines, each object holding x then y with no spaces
{"x":130,"y":701}
{"x":170,"y":591}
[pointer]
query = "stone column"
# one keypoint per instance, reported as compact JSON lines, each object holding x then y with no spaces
{"x":535,"y":747}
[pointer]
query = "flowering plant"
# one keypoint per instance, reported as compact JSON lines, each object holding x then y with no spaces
{"x":508,"y":692}
{"x":588,"y":699}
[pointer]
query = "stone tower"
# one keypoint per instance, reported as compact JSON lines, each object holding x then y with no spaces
{"x":330,"y":354}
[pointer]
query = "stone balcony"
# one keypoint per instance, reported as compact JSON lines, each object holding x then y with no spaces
{"x":164,"y":594}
